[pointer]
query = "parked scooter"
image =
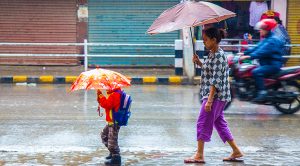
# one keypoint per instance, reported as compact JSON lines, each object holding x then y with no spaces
{"x":283,"y":88}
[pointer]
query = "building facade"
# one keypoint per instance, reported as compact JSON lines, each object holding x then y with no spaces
{"x":117,"y":21}
{"x":39,"y":21}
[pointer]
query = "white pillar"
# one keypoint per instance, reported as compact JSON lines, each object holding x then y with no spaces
{"x":280,"y":6}
{"x":188,"y":65}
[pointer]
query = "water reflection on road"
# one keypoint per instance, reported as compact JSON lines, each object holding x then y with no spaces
{"x":46,"y":125}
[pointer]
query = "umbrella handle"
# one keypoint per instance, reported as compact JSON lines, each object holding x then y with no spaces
{"x":98,"y":110}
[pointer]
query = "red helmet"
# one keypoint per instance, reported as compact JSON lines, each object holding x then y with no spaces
{"x":266,"y":24}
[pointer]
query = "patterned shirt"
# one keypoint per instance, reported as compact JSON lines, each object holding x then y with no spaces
{"x":215,"y":73}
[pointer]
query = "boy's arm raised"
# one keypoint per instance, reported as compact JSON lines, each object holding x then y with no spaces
{"x":108,"y":103}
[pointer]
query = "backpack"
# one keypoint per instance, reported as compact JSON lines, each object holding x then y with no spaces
{"x":122,"y":115}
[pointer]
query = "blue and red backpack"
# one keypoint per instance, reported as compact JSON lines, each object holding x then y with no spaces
{"x":123,"y":114}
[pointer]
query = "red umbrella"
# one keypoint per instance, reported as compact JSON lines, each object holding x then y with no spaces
{"x":100,"y":79}
{"x":189,"y":14}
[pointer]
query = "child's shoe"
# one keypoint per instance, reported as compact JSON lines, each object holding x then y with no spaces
{"x":115,"y":160}
{"x":108,"y":157}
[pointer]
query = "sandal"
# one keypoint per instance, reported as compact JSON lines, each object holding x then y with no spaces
{"x":233,"y":159}
{"x":192,"y":160}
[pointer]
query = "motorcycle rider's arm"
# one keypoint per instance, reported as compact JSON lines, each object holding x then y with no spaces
{"x":250,"y":50}
{"x":264,"y":50}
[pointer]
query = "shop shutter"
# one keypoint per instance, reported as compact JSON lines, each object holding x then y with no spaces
{"x":127,"y":21}
{"x":38,"y":21}
{"x":293,"y":27}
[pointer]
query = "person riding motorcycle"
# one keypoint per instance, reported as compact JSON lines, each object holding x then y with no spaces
{"x":269,"y":52}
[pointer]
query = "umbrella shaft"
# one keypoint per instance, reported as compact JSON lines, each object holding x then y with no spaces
{"x":192,"y":41}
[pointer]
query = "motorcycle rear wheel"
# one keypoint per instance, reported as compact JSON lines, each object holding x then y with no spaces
{"x":294,"y":106}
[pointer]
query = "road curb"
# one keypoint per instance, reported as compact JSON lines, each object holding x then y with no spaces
{"x":49,"y":79}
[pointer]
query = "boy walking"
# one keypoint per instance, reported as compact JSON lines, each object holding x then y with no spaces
{"x":109,"y":134}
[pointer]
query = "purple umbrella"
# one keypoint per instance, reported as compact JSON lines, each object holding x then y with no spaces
{"x":189,"y":14}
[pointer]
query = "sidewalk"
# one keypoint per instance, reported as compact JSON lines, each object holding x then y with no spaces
{"x":67,"y":74}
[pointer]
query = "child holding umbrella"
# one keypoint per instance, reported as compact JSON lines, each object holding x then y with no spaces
{"x":110,"y":132}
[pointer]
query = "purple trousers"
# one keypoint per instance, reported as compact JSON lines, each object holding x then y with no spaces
{"x":214,"y":118}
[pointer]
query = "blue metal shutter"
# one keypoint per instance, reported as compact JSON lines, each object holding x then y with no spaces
{"x":120,"y":21}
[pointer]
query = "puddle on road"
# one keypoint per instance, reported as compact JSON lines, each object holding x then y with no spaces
{"x":52,"y":158}
{"x":213,"y":156}
{"x":74,"y":158}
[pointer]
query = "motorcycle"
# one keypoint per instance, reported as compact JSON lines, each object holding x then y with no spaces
{"x":283,"y":88}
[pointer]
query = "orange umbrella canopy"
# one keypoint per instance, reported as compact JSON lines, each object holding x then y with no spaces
{"x":101,"y":79}
{"x":189,"y":14}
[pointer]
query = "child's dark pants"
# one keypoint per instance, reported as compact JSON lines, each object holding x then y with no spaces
{"x":109,"y":136}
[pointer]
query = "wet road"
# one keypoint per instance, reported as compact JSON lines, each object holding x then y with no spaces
{"x":46,"y":125}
